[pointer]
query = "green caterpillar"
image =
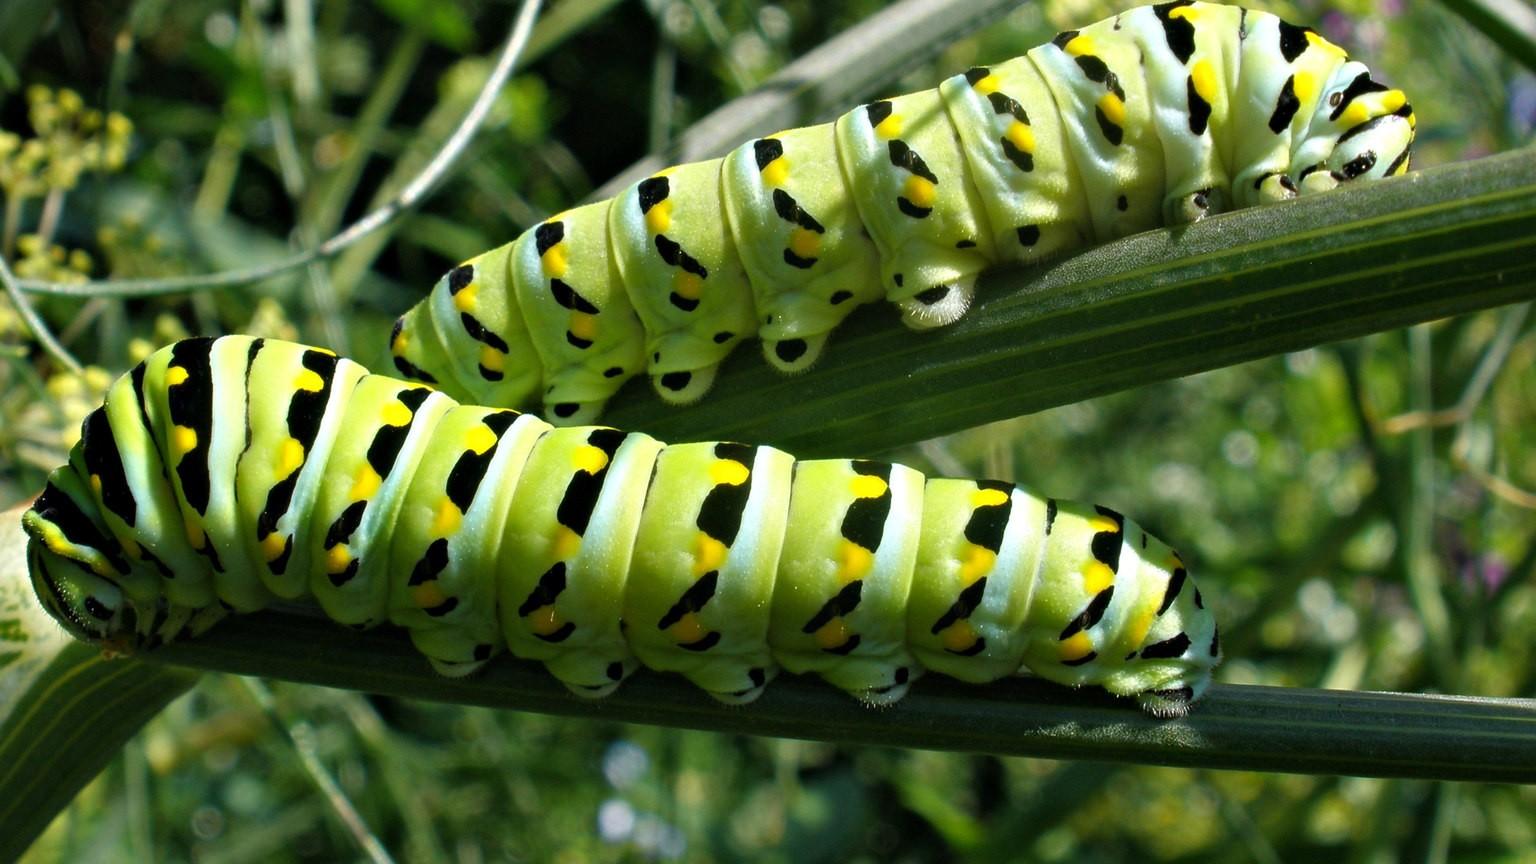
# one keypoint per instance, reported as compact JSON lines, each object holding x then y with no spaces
{"x":222,"y":474}
{"x":1162,"y":115}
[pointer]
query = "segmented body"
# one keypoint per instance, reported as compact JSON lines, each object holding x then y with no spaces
{"x":223,"y":473}
{"x":1159,"y":116}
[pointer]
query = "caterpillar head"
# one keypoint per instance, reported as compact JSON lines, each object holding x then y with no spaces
{"x":76,"y":567}
{"x":89,"y":606}
{"x":1362,"y":129}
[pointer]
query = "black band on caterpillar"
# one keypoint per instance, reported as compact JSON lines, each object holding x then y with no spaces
{"x":1161,"y":115}
{"x":223,"y":473}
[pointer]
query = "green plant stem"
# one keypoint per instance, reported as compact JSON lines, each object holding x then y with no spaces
{"x":1155,"y":306}
{"x":1249,"y":727}
{"x":1509,"y":23}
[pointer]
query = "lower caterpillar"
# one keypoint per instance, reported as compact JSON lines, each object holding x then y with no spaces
{"x":221,"y":474}
{"x":1161,"y":115}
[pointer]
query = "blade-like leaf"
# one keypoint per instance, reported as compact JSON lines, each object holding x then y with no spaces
{"x":65,"y":712}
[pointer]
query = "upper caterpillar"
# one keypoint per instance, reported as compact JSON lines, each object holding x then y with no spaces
{"x":1159,"y":116}
{"x":223,"y":473}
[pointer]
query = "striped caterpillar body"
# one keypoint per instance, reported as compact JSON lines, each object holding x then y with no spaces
{"x":221,"y":474}
{"x":1162,"y":115}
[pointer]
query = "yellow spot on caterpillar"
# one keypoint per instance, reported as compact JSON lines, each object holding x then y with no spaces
{"x":480,"y":439}
{"x":958,"y":636}
{"x":176,"y":375}
{"x":555,"y":260}
{"x":988,"y":498}
{"x":492,"y":359}
{"x":854,"y":561}
{"x":1403,"y":168}
{"x":890,"y":127}
{"x":1188,"y":13}
{"x":445,"y":522}
{"x":1175,"y":562}
{"x":708,"y":554}
{"x":1305,"y":86}
{"x":1020,"y":135}
{"x":1080,"y":45}
{"x":1113,"y":107}
{"x":395,"y":413}
{"x":272,"y":546}
{"x":776,"y":173}
{"x":1096,"y":577}
{"x":987,"y":86}
{"x":566,"y":543}
{"x":868,"y":486}
{"x":583,"y":326}
{"x":805,"y":243}
{"x":589,"y":459}
{"x":687,"y":284}
{"x":337,"y":558}
{"x":728,"y":472}
{"x":427,"y":595}
{"x":919,"y":190}
{"x":131,"y":546}
{"x":366,"y":484}
{"x":183,"y":441}
{"x":195,"y":536}
{"x":309,"y":381}
{"x":544,"y":620}
{"x":979,"y":561}
{"x":1318,"y":41}
{"x":659,"y":218}
{"x":1392,"y":100}
{"x":290,"y":455}
{"x":688,"y":628}
{"x":832,"y":634}
{"x":1075,"y":647}
{"x":402,"y":340}
{"x":96,"y":484}
{"x":1203,"y":74}
{"x":1102,"y":524}
{"x":1357,"y":112}
{"x":464,"y":301}
{"x":1137,"y":628}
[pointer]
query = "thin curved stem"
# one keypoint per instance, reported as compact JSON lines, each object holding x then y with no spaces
{"x":34,"y":322}
{"x":413,"y":193}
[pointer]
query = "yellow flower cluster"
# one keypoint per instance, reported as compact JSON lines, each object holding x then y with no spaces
{"x":37,"y":259}
{"x":70,"y":139}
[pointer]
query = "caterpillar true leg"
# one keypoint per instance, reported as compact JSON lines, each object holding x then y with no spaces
{"x":589,"y":549}
{"x":1162,"y":115}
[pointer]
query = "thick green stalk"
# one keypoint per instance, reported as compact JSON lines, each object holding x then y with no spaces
{"x":1249,"y":727}
{"x":1155,"y":306}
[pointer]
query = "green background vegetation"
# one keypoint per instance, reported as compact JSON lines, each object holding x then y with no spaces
{"x":1362,"y":515}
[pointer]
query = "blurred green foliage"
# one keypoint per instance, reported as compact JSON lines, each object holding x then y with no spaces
{"x":1362,"y":515}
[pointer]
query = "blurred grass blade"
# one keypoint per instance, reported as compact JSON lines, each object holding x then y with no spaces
{"x":65,"y":712}
{"x":1249,"y":727}
{"x":830,"y":78}
{"x":1511,"y":24}
{"x":1155,"y":306}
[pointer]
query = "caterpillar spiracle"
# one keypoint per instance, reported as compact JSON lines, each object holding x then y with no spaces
{"x":222,"y":474}
{"x":1161,"y":115}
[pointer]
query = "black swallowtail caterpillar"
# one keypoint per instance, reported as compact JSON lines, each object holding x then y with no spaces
{"x":221,"y":474}
{"x":1161,"y":115}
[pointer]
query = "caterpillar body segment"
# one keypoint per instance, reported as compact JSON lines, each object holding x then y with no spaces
{"x":1161,"y":115}
{"x":595,"y":551}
